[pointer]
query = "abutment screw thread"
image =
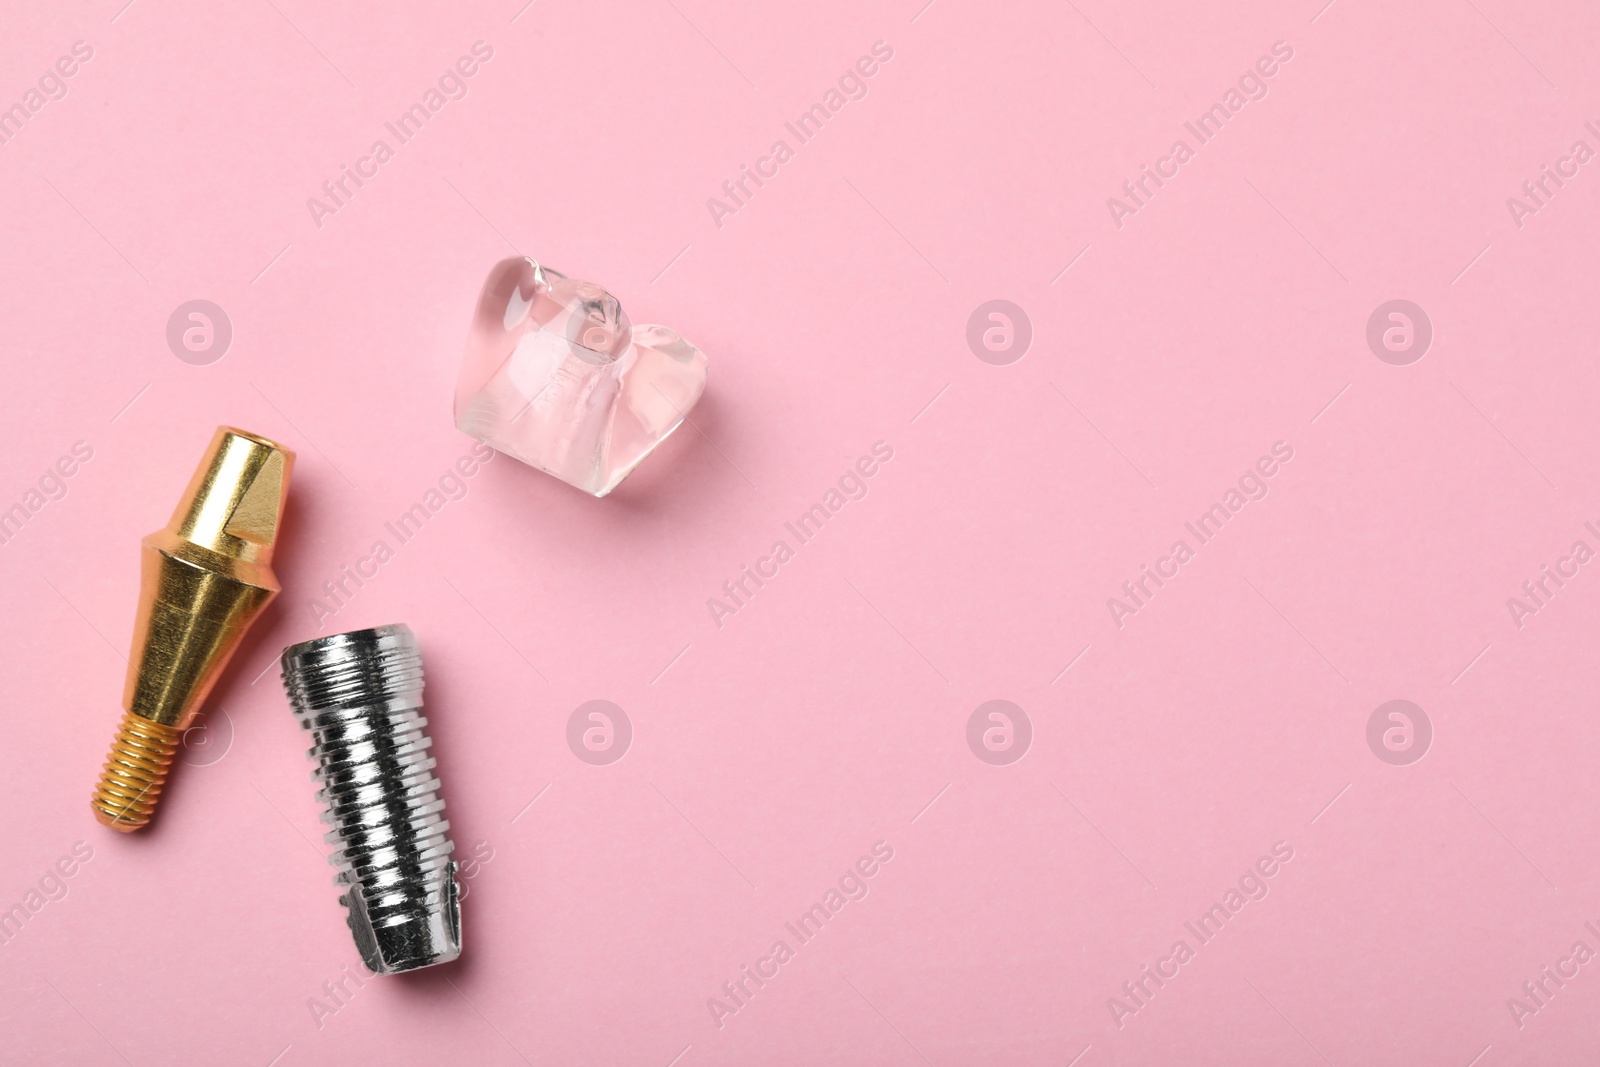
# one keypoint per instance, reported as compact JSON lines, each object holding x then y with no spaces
{"x":135,"y":772}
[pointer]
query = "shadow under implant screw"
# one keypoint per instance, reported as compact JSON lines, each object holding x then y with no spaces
{"x":360,"y":696}
{"x":206,"y":577}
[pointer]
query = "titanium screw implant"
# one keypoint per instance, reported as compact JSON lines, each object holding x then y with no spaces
{"x":360,"y":695}
{"x":207,"y":577}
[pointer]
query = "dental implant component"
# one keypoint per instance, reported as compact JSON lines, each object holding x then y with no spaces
{"x":556,"y":374}
{"x":360,"y":695}
{"x":206,"y":578}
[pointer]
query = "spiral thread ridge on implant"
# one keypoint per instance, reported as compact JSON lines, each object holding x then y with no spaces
{"x":360,"y":696}
{"x":135,"y":772}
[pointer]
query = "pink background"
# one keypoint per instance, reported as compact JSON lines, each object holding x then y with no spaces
{"x":830,"y":712}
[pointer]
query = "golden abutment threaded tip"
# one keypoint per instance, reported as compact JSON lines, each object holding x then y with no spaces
{"x":206,"y":577}
{"x":131,"y":783}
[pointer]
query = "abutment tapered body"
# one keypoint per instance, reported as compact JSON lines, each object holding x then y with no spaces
{"x":207,"y":575}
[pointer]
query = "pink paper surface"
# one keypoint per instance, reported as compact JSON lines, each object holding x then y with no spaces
{"x":1172,"y":740}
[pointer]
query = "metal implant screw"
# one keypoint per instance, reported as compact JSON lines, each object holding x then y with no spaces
{"x":360,"y":695}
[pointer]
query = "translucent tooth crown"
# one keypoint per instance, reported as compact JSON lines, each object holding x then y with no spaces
{"x":555,"y":375}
